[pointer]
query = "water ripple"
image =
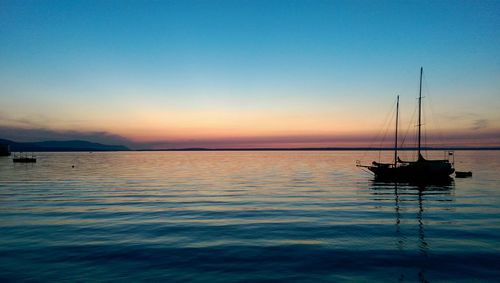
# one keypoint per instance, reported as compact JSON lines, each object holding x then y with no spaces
{"x":242,"y":216}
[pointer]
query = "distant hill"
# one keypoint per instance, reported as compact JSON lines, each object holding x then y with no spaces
{"x":73,"y":145}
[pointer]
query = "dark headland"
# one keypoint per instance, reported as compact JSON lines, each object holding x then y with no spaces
{"x":71,"y":145}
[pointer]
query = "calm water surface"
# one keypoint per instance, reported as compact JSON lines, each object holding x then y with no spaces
{"x":243,"y":216}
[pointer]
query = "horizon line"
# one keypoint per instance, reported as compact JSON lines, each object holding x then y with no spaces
{"x":326,"y":148}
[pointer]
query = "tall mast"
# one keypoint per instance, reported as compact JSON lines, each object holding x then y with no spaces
{"x":396,"y":134}
{"x":420,"y":112}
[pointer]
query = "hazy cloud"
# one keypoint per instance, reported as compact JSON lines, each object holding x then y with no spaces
{"x":27,"y":121}
{"x":476,"y":121}
{"x":479,"y":124}
{"x":456,"y":138}
{"x":485,"y":137}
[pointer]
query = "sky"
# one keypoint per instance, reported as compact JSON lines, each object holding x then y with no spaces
{"x":229,"y":74}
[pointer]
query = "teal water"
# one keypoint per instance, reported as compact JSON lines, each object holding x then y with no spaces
{"x":302,"y":216}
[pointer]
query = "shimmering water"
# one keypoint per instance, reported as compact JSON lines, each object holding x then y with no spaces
{"x":243,"y":216}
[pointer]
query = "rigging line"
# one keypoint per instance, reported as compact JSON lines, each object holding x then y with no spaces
{"x":412,"y":122}
{"x":385,"y":130}
{"x":415,"y":137}
{"x":425,"y":133}
{"x":375,"y":139}
{"x":418,"y":132}
{"x":390,"y":122}
{"x":387,"y":123}
{"x":434,"y":118}
{"x":382,"y":143}
{"x":424,"y":116}
{"x":414,"y":140}
{"x":412,"y":119}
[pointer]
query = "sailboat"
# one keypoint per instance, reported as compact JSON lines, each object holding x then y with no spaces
{"x":420,"y":170}
{"x":24,"y":158}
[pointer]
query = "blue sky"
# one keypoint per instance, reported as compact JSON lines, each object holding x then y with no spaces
{"x":173,"y":71}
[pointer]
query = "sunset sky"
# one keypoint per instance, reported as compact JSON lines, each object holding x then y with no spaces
{"x":220,"y":74}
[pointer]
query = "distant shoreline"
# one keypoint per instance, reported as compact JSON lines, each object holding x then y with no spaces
{"x":86,"y":146}
{"x":271,"y":149}
{"x":323,"y":149}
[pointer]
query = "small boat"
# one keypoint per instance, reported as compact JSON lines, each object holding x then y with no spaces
{"x":461,"y":174}
{"x":24,"y":158}
{"x":420,"y":170}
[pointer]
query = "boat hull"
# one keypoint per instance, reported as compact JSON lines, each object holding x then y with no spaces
{"x":419,"y":171}
{"x":24,"y":160}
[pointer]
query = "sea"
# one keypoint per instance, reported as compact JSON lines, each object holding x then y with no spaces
{"x":244,"y":216}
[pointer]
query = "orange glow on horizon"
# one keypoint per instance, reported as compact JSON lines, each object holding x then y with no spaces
{"x":255,"y":128}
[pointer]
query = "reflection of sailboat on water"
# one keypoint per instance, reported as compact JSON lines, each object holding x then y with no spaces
{"x":406,"y":193}
{"x":421,"y":170}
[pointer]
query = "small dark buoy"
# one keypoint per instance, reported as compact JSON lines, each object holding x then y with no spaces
{"x":72,"y":166}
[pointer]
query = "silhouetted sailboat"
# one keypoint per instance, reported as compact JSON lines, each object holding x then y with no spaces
{"x":20,"y":158}
{"x":420,"y":170}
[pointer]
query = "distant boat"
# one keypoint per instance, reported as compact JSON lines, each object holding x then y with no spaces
{"x":420,"y":170}
{"x":24,"y":158}
{"x":460,"y":174}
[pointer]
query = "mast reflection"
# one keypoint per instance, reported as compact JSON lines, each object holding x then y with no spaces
{"x":421,"y":194}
